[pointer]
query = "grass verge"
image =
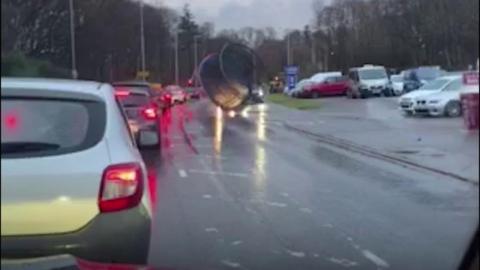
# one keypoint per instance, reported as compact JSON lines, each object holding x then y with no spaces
{"x":295,"y":103}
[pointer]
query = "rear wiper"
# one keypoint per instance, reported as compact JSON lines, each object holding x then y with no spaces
{"x":19,"y":147}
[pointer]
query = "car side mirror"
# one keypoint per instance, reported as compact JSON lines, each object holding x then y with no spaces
{"x":147,"y":139}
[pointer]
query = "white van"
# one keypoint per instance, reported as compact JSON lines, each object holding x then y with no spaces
{"x":369,"y":80}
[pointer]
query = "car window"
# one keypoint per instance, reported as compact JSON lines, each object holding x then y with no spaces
{"x":37,"y":127}
{"x":435,"y":84}
{"x":331,"y":79}
{"x":454,"y":85}
{"x":125,"y":121}
{"x":134,"y":100}
{"x":372,"y":74}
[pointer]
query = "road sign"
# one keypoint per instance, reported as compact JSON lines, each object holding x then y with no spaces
{"x":470,"y":78}
{"x":143,"y":74}
{"x":291,"y":76}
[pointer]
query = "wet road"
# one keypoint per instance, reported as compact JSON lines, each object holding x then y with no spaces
{"x":246,"y":193}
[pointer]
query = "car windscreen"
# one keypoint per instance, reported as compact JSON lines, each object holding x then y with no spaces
{"x":428,"y":74}
{"x":372,"y":74}
{"x":41,"y":127}
{"x":396,"y":78}
{"x":435,"y":84}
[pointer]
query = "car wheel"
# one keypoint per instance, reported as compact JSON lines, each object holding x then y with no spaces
{"x":315,"y":95}
{"x":453,"y":109}
{"x":407,"y":113}
{"x":349,"y":93}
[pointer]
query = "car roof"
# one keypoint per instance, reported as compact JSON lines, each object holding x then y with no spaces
{"x":79,"y":86}
{"x":451,"y":77}
{"x":131,"y":83}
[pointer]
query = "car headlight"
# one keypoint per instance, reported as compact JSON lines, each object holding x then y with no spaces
{"x":260,"y":92}
{"x":434,"y":101}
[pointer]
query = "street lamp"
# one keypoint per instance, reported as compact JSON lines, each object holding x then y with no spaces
{"x":142,"y":37}
{"x":176,"y":58}
{"x":72,"y":41}
{"x":195,"y":68}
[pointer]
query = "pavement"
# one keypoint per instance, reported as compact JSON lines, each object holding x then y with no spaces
{"x":376,"y":125}
{"x":251,"y":193}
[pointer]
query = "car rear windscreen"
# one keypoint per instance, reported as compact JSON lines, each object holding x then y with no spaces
{"x":39,"y":127}
{"x":134,"y":100}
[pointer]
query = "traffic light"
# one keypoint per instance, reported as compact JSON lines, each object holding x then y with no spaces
{"x":190,"y":82}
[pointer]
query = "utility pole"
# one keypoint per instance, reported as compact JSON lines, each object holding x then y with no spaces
{"x":142,"y":38}
{"x":195,"y":68}
{"x":288,"y":49}
{"x":72,"y":41}
{"x":313,"y":55}
{"x":176,"y":58}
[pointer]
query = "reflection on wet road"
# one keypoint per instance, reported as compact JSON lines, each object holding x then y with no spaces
{"x":245,"y":193}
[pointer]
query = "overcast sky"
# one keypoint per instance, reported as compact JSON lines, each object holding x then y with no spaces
{"x":226,"y":14}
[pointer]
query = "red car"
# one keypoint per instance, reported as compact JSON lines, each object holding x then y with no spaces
{"x":331,"y":86}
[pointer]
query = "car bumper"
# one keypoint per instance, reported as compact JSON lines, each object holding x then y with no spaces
{"x":118,"y":237}
{"x":432,"y":110}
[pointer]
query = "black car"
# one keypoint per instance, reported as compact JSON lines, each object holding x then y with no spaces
{"x":140,"y":106}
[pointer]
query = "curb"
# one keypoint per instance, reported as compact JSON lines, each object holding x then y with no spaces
{"x":367,"y":151}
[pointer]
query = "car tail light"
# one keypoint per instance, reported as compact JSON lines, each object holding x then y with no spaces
{"x":150,"y":113}
{"x":122,"y":93}
{"x":121,"y":187}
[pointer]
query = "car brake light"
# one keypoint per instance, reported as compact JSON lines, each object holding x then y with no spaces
{"x":121,"y":187}
{"x":122,"y":93}
{"x":150,"y":113}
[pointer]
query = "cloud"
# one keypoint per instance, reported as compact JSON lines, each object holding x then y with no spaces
{"x":235,"y":14}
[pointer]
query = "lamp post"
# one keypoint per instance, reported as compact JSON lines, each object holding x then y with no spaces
{"x":72,"y":41}
{"x":142,"y":38}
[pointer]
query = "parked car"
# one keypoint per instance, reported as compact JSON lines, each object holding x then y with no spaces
{"x":141,"y":111}
{"x":73,"y":181}
{"x":329,"y":86}
{"x":397,"y":84}
{"x":299,"y":87}
{"x":416,"y":77}
{"x":178,"y":94}
{"x":193,"y":93}
{"x":367,"y":81}
{"x":320,"y":77}
{"x":438,"y":97}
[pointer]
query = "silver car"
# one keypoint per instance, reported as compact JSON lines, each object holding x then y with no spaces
{"x":72,"y":179}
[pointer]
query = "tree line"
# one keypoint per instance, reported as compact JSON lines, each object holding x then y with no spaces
{"x":344,"y":33}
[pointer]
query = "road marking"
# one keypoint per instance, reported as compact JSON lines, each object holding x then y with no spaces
{"x":236,"y":243}
{"x":231,"y":264}
{"x":374,"y":258}
{"x":183,"y":173}
{"x":243,"y":175}
{"x":207,"y":196}
{"x":297,"y":254}
{"x":306,"y":210}
{"x":276,"y":204}
{"x":214,"y":230}
{"x":343,"y":262}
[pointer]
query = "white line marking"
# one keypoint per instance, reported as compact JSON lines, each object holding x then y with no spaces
{"x":207,"y":196}
{"x":236,"y":243}
{"x":343,"y":262}
{"x":182,"y":173}
{"x":215,"y":230}
{"x":297,"y":254}
{"x":276,"y":204}
{"x":235,"y":174}
{"x":306,"y":210}
{"x":231,"y":264}
{"x":374,"y":258}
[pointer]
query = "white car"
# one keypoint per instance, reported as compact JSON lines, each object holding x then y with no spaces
{"x":299,"y":87}
{"x":438,"y":97}
{"x":72,"y":179}
{"x":397,"y":84}
{"x":178,"y":94}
